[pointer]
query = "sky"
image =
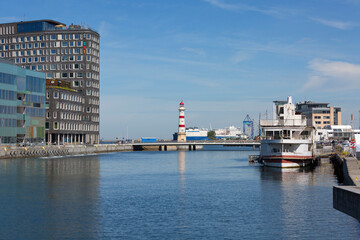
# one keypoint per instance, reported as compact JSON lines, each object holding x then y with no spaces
{"x":224,"y":58}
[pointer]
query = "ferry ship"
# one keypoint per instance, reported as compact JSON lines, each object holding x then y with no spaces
{"x":230,"y":132}
{"x":194,"y":133}
{"x":288,"y":140}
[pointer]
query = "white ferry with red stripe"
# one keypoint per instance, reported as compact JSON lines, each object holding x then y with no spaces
{"x":287,"y":141}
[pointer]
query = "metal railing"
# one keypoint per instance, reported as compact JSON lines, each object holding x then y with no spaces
{"x":284,"y":122}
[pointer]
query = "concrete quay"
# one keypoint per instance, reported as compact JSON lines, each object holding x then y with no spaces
{"x":346,"y":198}
{"x":60,"y":150}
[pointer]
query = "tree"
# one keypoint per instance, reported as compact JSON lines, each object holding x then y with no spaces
{"x":211,"y":135}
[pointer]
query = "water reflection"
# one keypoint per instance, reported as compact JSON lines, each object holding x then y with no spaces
{"x":181,"y":167}
{"x":50,"y":198}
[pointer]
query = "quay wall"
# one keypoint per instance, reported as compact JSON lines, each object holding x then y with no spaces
{"x":60,"y":150}
{"x":347,"y":198}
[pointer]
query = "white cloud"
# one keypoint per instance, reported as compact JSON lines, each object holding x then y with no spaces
{"x":333,"y":75}
{"x":336,"y":24}
{"x":196,"y":51}
{"x":274,"y":11}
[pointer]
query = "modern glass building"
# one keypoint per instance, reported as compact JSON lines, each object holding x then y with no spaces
{"x":22,"y":104}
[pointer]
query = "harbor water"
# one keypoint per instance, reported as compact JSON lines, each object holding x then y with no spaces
{"x":210,"y":194}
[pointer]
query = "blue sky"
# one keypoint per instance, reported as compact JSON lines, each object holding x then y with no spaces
{"x":223,"y":58}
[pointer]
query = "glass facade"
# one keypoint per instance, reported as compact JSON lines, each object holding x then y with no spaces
{"x":34,"y":27}
{"x":22,"y":105}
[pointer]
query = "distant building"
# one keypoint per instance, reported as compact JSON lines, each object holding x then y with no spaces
{"x":62,"y":53}
{"x":22,"y":104}
{"x":321,"y":114}
{"x":340,"y":132}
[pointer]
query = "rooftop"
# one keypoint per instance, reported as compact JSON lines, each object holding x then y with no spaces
{"x":44,"y":20}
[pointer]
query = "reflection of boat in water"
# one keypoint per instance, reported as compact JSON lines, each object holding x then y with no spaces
{"x":286,"y":141}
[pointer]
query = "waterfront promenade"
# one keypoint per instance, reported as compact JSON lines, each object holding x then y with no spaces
{"x":63,"y":150}
{"x":60,"y":150}
{"x":346,"y":198}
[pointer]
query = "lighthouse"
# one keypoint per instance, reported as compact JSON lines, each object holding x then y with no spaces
{"x":181,"y":133}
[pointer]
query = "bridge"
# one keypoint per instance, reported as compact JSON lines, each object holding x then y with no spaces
{"x":190,"y":145}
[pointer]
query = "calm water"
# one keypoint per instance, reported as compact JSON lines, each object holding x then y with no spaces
{"x":167,"y":195}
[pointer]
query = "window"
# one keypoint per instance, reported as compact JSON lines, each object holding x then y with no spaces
{"x":64,"y":58}
{"x":47,"y":125}
{"x":88,"y":109}
{"x":53,"y":37}
{"x":76,"y":51}
{"x":88,"y":92}
{"x":64,"y":44}
{"x":76,"y":83}
{"x":53,"y":51}
{"x":54,"y":114}
{"x":79,"y":43}
{"x":79,"y":75}
{"x":56,"y":95}
{"x":76,"y":66}
{"x":71,"y":44}
{"x":64,"y":75}
{"x":71,"y":75}
{"x":53,"y":67}
{"x":56,"y":125}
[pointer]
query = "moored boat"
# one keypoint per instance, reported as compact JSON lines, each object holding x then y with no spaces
{"x":288,"y":140}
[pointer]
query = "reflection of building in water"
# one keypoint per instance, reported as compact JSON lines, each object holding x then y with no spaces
{"x":73,"y":187}
{"x":60,"y":194}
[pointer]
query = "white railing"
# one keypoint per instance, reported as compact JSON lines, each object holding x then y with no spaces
{"x":285,"y":122}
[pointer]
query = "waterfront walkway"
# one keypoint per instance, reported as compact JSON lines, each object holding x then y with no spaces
{"x":346,"y":198}
{"x":63,"y":150}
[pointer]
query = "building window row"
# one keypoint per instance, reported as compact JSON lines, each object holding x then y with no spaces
{"x":70,"y":107}
{"x":6,"y":30}
{"x":70,"y":116}
{"x":72,"y":126}
{"x":51,"y":37}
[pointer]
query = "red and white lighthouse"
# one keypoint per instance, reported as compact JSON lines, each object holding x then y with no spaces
{"x":181,"y":133}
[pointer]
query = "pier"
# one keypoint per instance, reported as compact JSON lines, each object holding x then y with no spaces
{"x":60,"y":150}
{"x":346,"y":198}
{"x":63,"y":150}
{"x":193,"y":145}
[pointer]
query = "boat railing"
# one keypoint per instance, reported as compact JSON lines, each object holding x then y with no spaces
{"x":300,"y":137}
{"x":284,"y":122}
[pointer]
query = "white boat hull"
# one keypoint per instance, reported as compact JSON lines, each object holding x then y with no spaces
{"x":287,"y":161}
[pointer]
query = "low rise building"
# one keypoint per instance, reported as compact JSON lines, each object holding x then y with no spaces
{"x":321,"y":114}
{"x":65,"y":121}
{"x":22,"y":104}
